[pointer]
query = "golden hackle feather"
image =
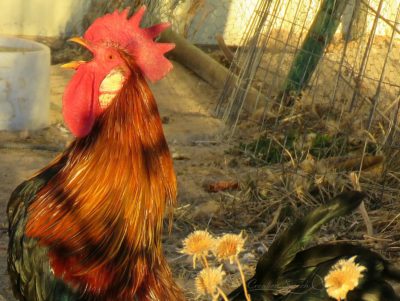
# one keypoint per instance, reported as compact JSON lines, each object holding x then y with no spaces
{"x":102,"y":215}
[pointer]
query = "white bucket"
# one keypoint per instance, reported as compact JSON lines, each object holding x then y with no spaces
{"x":24,"y":84}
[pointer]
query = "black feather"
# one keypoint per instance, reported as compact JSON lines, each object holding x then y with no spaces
{"x":306,"y":261}
{"x":372,"y":284}
{"x":28,"y":263}
{"x":282,"y":251}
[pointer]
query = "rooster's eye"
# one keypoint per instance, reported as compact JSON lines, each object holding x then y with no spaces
{"x":110,"y":57}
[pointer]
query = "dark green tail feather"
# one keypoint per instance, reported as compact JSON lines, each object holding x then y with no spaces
{"x":305,"y":261}
{"x":28,"y":263}
{"x":284,"y":248}
{"x":373,"y":282}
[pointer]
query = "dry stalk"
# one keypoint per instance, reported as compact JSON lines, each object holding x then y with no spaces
{"x":222,"y":294}
{"x":355,"y":180}
{"x":225,"y":50}
{"x":242,"y":278}
{"x":272,"y":224}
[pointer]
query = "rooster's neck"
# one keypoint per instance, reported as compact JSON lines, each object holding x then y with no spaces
{"x":106,"y":205}
{"x":128,"y":151}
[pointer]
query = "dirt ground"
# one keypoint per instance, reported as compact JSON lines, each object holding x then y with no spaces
{"x":186,"y":104}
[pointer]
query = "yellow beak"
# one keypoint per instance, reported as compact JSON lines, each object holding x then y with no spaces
{"x":75,"y":64}
{"x":80,"y":41}
{"x":72,"y":65}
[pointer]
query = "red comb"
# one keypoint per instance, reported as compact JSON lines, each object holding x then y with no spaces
{"x":117,"y":30}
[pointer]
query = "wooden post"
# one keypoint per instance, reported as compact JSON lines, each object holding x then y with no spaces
{"x":204,"y":66}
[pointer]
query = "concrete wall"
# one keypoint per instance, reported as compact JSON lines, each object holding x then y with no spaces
{"x":231,"y":17}
{"x":227,"y":17}
{"x":40,"y":17}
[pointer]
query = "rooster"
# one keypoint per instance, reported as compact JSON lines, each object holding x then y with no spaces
{"x":88,"y":226}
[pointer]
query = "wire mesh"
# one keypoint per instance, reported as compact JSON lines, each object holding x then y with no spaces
{"x":341,"y":129}
{"x":355,"y":77}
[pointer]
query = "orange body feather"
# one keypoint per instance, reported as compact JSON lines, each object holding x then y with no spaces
{"x":101,"y":215}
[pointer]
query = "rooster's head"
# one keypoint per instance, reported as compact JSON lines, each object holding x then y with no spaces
{"x":118,"y":45}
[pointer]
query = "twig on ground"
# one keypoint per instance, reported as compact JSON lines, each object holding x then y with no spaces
{"x":272,"y":224}
{"x":364,"y":213}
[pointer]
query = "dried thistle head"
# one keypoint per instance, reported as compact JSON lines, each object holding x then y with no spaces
{"x":208,"y":281}
{"x":343,"y":277}
{"x":229,"y":246}
{"x":197,"y":244}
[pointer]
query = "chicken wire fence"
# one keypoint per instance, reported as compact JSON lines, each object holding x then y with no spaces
{"x":314,"y":84}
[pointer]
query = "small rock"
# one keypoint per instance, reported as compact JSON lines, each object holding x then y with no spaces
{"x":248,"y":258}
{"x":178,"y":156}
{"x":165,"y":120}
{"x":230,"y":268}
{"x":206,"y":209}
{"x":261,"y":249}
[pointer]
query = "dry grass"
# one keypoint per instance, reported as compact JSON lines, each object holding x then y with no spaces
{"x":302,"y":156}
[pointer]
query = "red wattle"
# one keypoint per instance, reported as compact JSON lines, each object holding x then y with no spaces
{"x":79,"y":105}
